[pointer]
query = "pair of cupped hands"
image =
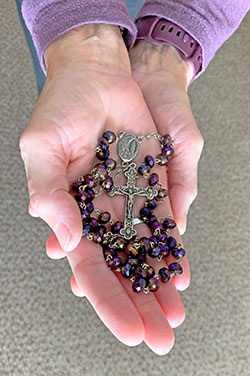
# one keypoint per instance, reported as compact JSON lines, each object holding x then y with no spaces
{"x":93,"y":84}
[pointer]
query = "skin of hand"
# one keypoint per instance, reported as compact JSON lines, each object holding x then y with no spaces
{"x":90,"y":89}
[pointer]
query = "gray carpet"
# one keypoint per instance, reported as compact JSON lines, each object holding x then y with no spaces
{"x":45,"y":329}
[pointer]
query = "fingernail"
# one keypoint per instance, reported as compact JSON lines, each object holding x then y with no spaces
{"x":63,"y":235}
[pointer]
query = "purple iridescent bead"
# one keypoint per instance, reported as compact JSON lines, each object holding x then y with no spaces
{"x":151,"y":204}
{"x":115,"y":263}
{"x":162,"y":193}
{"x":100,"y":231}
{"x":175,"y":268}
{"x":143,"y":169}
{"x":89,"y":180}
{"x":145,"y":273}
{"x":86,"y":229}
{"x":156,"y":226}
{"x":132,"y":249}
{"x":102,"y":154}
{"x":164,"y":274}
{"x":109,"y":253}
{"x":93,"y":222}
{"x":145,"y":213}
{"x":168,"y":150}
{"x":89,"y":207}
{"x":162,"y":159}
{"x":87,"y":195}
{"x":101,"y":172}
{"x":149,"y":160}
{"x":165,"y":251}
{"x":104,"y":217}
{"x":145,"y":242}
{"x":154,"y":252}
{"x":75,"y":186}
{"x":127,"y":270}
{"x":153,"y":179}
{"x":133,"y":261}
{"x":139,"y":285}
{"x":110,"y":164}
{"x":163,"y":238}
{"x":151,"y":220}
{"x":120,"y":244}
{"x":103,"y":144}
{"x":109,"y":136}
{"x":108,"y":184}
{"x":153,"y":284}
{"x":169,"y":224}
{"x":166,"y":139}
{"x":171,"y":242}
{"x":84,"y":214}
{"x":178,"y":252}
{"x":153,"y":241}
{"x":116,"y":227}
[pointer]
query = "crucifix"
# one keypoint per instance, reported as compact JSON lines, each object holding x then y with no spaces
{"x":128,"y":149}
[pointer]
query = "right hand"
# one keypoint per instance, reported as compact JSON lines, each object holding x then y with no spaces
{"x":89,"y":89}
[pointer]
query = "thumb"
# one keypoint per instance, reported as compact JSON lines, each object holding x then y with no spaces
{"x":48,"y":189}
{"x":182,"y":179}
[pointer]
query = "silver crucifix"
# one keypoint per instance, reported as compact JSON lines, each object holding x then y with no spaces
{"x":128,"y":149}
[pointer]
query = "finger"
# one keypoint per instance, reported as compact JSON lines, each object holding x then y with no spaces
{"x":45,"y":166}
{"x":105,"y":293}
{"x":53,"y":250}
{"x":75,"y":288}
{"x":159,"y":335}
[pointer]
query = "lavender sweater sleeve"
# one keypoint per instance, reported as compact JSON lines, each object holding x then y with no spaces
{"x":210,"y":22}
{"x":48,"y":19}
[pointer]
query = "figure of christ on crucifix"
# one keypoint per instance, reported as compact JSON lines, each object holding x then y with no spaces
{"x":131,"y":191}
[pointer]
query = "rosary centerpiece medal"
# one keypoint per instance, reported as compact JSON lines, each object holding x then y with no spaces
{"x":123,"y":250}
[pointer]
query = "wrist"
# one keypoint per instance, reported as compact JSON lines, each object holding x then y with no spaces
{"x":100,"y":44}
{"x":148,"y":59}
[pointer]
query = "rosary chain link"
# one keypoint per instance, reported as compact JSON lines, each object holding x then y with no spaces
{"x":157,"y":136}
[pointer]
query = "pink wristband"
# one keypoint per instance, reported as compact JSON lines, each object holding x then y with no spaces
{"x":158,"y":30}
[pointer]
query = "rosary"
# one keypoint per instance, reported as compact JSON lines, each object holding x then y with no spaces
{"x":123,"y":251}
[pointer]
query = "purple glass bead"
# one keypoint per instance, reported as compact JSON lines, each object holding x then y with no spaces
{"x":93,"y":222}
{"x":153,"y":179}
{"x":102,"y":154}
{"x":86,"y":229}
{"x":145,"y":242}
{"x":166,"y":139}
{"x":89,"y":207}
{"x":169,"y":223}
{"x":89,"y":180}
{"x":140,"y":272}
{"x":133,"y":261}
{"x":165,"y":251}
{"x":103,"y":144}
{"x":104,"y":217}
{"x":153,"y":284}
{"x":109,"y":136}
{"x":165,"y":275}
{"x":101,"y":172}
{"x":178,"y":252}
{"x":108,"y":184}
{"x":145,"y":213}
{"x":153,"y":241}
{"x":139,"y":285}
{"x":110,"y":164}
{"x":100,"y":231}
{"x":116,"y":227}
{"x":154,"y":252}
{"x":115,"y":263}
{"x":156,"y":226}
{"x":162,"y":159}
{"x":75,"y":186}
{"x":84,"y":214}
{"x":109,"y":253}
{"x":141,"y":255}
{"x":143,"y":169}
{"x":151,"y":220}
{"x":84,"y":196}
{"x":132,"y":249}
{"x":91,"y":193}
{"x":127,"y":270}
{"x":151,"y":204}
{"x":119,"y":244}
{"x":175,"y":268}
{"x":162,"y":193}
{"x":149,"y":160}
{"x":163,"y":238}
{"x":171,"y":242}
{"x":168,"y":150}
